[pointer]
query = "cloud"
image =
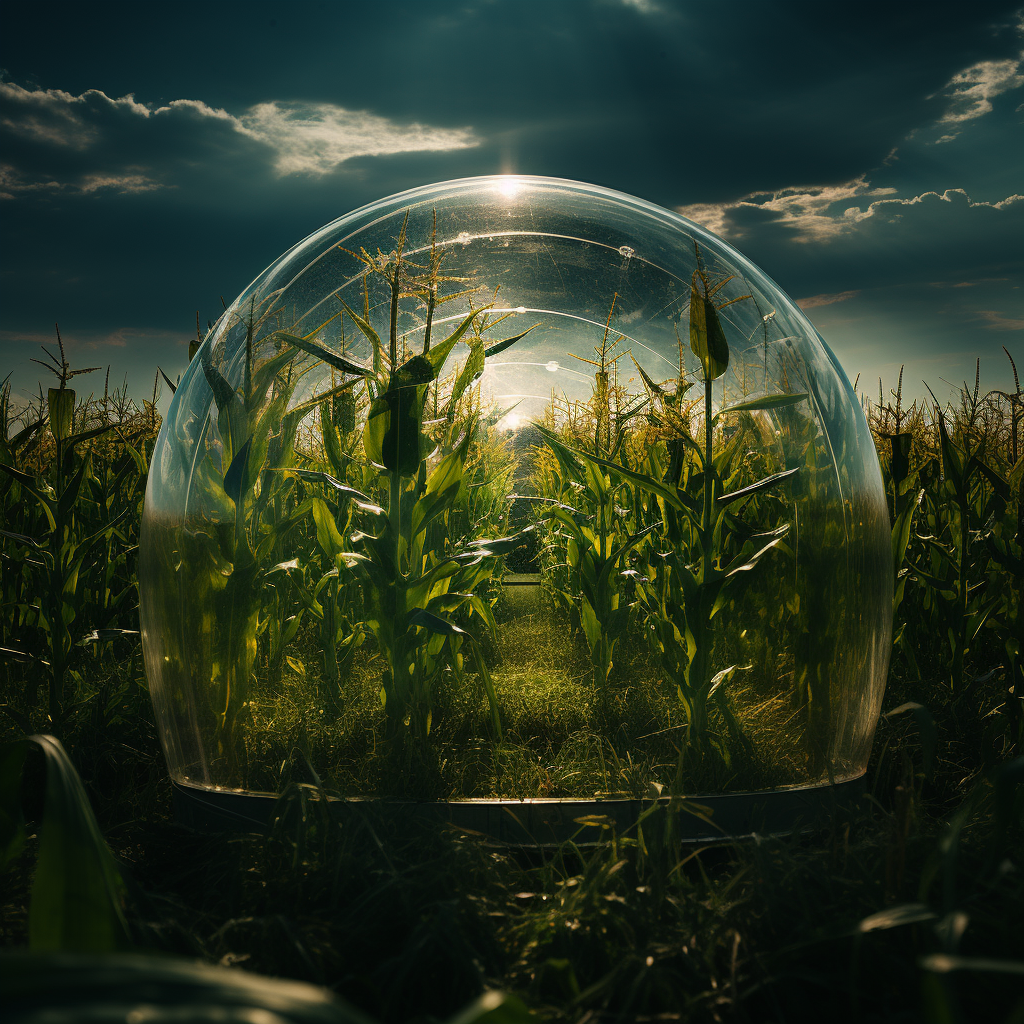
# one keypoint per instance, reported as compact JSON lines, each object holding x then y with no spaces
{"x":315,"y":138}
{"x":643,"y":6}
{"x":971,"y":91}
{"x":808,"y":212}
{"x":998,"y":322}
{"x":821,"y":213}
{"x":14,"y":183}
{"x":58,"y":142}
{"x":56,"y":117}
{"x":813,"y":301}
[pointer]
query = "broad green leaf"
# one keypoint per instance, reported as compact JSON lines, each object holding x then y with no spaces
{"x":232,"y":417}
{"x":642,"y":480}
{"x":721,"y":678}
{"x":335,"y":359}
{"x":419,"y":588}
{"x":952,"y":457}
{"x":492,"y":700}
{"x":264,"y":375}
{"x":501,"y":545}
{"x":88,"y":435}
{"x":23,"y":435}
{"x":443,"y":486}
{"x":99,"y":636}
{"x":364,"y":326}
{"x":374,"y":430}
{"x":434,"y":623}
{"x":360,"y":500}
{"x":327,"y":534}
{"x":48,"y":503}
{"x":66,"y":502}
{"x":332,"y":443}
{"x":21,"y":538}
{"x":392,"y":435}
{"x":566,"y":457}
{"x":234,"y":478}
{"x":764,"y":402}
{"x":630,"y":542}
{"x":438,"y":354}
{"x":943,"y":963}
{"x":999,"y":484}
{"x":762,"y":485}
{"x":77,"y":890}
{"x":161,"y":989}
{"x":591,"y":625}
{"x":474,"y":366}
{"x":500,"y":346}
{"x":742,"y":563}
{"x":653,"y":388}
{"x":495,"y":1008}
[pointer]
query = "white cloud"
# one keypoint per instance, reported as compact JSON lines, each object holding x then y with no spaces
{"x":813,"y":301}
{"x":971,"y":91}
{"x":996,"y":321}
{"x":57,"y":117}
{"x":314,"y":138}
{"x":820,"y":213}
{"x":644,"y":6}
{"x":13,"y":183}
{"x":126,"y":146}
{"x":809,"y":210}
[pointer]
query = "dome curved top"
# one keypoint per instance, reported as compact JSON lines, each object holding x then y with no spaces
{"x":682,"y":467}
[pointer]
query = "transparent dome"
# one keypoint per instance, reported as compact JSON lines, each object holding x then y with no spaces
{"x":515,"y":487}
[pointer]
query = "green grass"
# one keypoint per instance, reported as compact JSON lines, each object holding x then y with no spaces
{"x":560,"y":738}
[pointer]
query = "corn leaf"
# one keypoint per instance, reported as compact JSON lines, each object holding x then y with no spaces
{"x":77,"y":890}
{"x":500,"y":346}
{"x":335,"y":359}
{"x":764,"y":402}
{"x":761,"y":485}
{"x":137,"y":986}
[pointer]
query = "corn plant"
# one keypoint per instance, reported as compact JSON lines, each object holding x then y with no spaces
{"x":687,"y":585}
{"x":248,"y":499}
{"x":64,"y":540}
{"x":589,"y":512}
{"x":596,"y":547}
{"x":413,"y":581}
{"x":955,"y":558}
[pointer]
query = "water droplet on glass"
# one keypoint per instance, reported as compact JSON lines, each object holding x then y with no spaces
{"x":551,"y":367}
{"x":627,"y":250}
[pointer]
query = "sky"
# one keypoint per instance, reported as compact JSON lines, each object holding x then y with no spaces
{"x":869,"y":158}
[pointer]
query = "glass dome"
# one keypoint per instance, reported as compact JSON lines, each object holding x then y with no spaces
{"x":515,"y":487}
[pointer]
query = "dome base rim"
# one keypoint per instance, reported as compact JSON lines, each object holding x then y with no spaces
{"x":540,"y":823}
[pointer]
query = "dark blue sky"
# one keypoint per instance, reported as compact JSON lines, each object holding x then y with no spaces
{"x":868,"y":157}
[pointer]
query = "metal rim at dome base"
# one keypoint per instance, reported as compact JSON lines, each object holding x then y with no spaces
{"x":545,"y":823}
